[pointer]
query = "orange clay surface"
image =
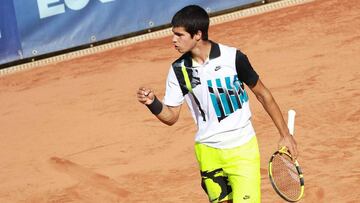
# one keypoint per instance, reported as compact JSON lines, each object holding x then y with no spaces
{"x":74,"y":132}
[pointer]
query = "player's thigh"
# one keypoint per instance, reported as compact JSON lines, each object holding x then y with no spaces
{"x":245,"y":189}
{"x":244,"y":172}
{"x":214,"y":181}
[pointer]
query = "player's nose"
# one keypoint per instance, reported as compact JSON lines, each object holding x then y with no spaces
{"x":174,"y":39}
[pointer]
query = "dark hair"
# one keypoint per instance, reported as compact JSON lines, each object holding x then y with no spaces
{"x":193,"y":18}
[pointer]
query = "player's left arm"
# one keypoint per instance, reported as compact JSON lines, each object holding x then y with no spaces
{"x":166,"y":114}
{"x":268,"y":102}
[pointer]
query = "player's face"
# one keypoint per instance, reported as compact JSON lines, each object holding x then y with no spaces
{"x":182,"y":40}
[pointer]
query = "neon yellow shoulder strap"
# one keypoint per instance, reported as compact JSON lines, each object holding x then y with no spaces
{"x":186,"y":77}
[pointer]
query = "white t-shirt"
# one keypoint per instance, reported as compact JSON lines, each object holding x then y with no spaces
{"x":215,"y":95}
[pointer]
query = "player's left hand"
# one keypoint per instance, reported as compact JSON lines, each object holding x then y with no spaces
{"x":289,"y":142}
{"x":145,"y":95}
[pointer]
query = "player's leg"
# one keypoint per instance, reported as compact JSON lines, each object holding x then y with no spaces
{"x":214,"y":180}
{"x":244,"y":172}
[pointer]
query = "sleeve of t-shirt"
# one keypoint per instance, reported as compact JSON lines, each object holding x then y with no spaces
{"x":245,"y":71}
{"x":173,"y":94}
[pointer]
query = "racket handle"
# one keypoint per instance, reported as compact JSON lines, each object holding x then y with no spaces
{"x":291,"y":121}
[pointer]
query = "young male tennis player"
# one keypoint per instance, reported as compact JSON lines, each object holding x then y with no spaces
{"x":210,"y":77}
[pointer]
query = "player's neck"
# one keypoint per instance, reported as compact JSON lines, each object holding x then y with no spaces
{"x":200,"y":53}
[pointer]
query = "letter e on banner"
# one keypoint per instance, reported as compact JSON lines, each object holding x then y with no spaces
{"x":47,"y":8}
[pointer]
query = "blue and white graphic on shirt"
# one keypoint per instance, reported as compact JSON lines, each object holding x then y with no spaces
{"x":227,"y":95}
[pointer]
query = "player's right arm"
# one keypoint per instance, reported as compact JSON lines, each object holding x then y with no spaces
{"x":166,"y":114}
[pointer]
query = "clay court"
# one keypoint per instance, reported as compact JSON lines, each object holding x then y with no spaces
{"x":73,"y":131}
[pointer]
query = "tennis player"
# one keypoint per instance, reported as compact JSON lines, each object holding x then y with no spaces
{"x":210,"y":77}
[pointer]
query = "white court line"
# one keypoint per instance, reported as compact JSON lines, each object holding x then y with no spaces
{"x":152,"y":35}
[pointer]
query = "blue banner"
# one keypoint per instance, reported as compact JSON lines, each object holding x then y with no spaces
{"x":46,"y":26}
{"x":10,"y":49}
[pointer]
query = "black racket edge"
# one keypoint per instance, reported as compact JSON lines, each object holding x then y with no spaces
{"x":300,"y":175}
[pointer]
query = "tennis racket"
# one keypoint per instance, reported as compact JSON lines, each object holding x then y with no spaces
{"x":285,"y":173}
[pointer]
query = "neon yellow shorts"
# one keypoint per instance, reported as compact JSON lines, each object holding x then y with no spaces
{"x":230,"y":173}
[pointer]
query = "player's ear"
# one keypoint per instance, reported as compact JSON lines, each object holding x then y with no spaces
{"x":198,"y":35}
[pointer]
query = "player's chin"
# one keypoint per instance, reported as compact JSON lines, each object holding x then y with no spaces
{"x":179,"y":50}
{"x":182,"y":51}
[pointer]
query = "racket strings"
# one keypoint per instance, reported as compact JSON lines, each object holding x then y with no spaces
{"x":285,"y":176}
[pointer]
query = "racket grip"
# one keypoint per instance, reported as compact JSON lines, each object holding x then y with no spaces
{"x":291,"y":121}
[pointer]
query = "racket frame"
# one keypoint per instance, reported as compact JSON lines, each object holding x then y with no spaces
{"x":284,"y":151}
